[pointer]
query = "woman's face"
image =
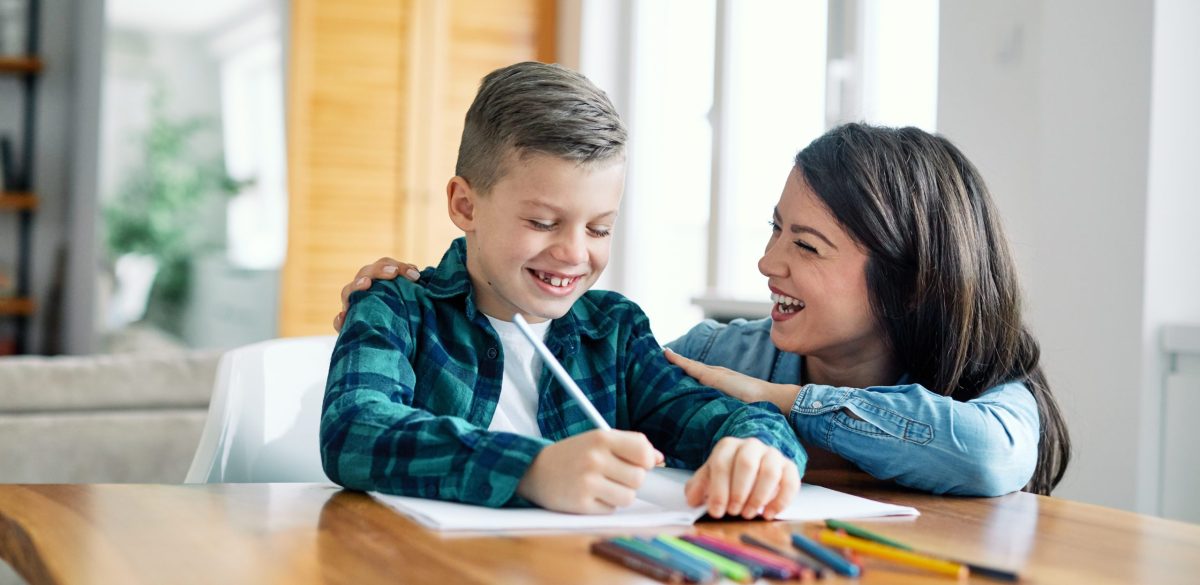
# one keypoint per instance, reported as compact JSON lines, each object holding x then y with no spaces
{"x":817,"y":276}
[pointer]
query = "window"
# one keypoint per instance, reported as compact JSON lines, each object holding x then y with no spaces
{"x":251,"y":61}
{"x":719,"y":95}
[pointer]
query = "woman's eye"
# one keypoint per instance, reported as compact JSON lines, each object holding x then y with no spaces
{"x":600,"y":232}
{"x":800,"y":244}
{"x":537,"y":225}
{"x":774,"y":226}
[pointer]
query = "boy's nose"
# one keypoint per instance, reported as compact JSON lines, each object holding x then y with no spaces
{"x":572,"y":249}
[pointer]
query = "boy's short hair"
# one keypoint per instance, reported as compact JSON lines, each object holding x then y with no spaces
{"x":531,"y":108}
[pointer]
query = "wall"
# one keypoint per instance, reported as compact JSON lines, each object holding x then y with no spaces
{"x":1053,"y":102}
{"x":1172,"y":258}
{"x":79,"y":310}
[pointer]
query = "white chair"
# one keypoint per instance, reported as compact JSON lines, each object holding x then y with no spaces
{"x":265,"y":414}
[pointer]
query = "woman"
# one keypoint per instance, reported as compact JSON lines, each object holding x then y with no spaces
{"x":896,"y":340}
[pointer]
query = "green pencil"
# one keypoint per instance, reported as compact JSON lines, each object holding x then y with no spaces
{"x":735,"y":571}
{"x":853,"y":530}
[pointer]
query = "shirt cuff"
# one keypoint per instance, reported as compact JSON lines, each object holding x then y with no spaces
{"x":811,"y":404}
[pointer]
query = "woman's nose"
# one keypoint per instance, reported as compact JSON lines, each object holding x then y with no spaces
{"x":771,"y":263}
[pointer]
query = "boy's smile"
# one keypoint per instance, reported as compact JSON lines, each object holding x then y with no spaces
{"x":540,"y":238}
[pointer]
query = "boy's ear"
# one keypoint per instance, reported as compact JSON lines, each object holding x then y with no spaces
{"x":460,"y":202}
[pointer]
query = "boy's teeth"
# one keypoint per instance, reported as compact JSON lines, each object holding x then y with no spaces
{"x":554,"y":280}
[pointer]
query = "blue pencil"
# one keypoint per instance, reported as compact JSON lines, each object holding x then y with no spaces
{"x":824,"y":555}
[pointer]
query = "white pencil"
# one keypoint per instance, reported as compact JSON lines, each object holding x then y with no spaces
{"x":561,"y":374}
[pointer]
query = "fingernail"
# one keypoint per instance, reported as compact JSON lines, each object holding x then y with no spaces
{"x":389,"y":270}
{"x":413,"y":274}
{"x":362,"y":281}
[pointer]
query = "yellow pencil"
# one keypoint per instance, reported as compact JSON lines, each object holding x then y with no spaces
{"x":895,"y":555}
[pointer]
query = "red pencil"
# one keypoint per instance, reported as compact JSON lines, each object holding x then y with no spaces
{"x":787,"y":566}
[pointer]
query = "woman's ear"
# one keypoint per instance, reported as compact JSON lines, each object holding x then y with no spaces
{"x":460,"y":202}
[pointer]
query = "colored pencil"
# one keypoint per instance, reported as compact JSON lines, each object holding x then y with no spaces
{"x":768,"y":569}
{"x":635,"y":561}
{"x":814,"y":570}
{"x":700,"y":567}
{"x":976,"y":569}
{"x":694,"y":570}
{"x":733,"y":570}
{"x":892,"y":554}
{"x":860,"y":532}
{"x":827,"y":557}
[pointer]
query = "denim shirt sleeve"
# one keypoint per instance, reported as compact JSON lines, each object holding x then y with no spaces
{"x":982,"y":447}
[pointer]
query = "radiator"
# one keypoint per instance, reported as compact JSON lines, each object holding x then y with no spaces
{"x":1180,"y":483}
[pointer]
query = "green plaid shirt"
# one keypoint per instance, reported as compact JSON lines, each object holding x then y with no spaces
{"x":416,"y":373}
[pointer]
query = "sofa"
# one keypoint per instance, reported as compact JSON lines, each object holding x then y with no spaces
{"x":118,"y":418}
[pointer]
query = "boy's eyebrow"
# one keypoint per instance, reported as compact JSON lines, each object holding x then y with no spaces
{"x":803,"y":229}
{"x":559,"y":210}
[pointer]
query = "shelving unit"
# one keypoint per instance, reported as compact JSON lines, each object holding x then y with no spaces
{"x":20,"y":65}
{"x":22,"y":200}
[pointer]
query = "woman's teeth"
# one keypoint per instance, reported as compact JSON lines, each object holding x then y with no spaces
{"x":554,"y":280}
{"x":787,"y":304}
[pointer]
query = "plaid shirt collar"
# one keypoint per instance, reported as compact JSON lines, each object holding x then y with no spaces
{"x":450,"y":279}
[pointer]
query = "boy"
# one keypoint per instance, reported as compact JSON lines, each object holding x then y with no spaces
{"x":432,"y":391}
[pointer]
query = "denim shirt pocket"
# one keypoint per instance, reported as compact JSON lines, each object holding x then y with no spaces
{"x":879,"y":421}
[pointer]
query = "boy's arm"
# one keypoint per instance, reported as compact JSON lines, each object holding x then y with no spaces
{"x":373,"y":439}
{"x":685,"y":419}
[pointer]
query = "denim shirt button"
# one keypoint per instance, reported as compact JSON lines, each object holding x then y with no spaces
{"x":492,"y":353}
{"x":817,"y":404}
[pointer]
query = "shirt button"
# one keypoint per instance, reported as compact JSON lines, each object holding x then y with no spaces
{"x":817,"y":404}
{"x":492,"y":353}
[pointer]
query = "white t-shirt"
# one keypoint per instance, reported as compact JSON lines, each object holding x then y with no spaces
{"x":516,"y":412}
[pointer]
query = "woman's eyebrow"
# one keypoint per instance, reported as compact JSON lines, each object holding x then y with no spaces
{"x":796,"y":228}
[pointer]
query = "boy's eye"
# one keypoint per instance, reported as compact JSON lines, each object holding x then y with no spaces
{"x":538,"y":225}
{"x":600,"y":232}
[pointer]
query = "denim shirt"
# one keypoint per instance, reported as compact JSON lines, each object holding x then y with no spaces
{"x":987,"y":446}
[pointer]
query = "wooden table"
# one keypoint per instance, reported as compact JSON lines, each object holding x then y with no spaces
{"x":309,"y":533}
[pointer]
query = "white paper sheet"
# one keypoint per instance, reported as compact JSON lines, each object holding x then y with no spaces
{"x":660,"y":503}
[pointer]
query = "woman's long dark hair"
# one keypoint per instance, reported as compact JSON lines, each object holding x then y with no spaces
{"x":941,"y":279}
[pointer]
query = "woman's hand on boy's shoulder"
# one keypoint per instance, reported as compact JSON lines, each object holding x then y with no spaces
{"x":736,"y":384}
{"x":744,"y":477}
{"x":382,"y":269}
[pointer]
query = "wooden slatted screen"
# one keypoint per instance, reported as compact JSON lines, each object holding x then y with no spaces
{"x":376,"y":96}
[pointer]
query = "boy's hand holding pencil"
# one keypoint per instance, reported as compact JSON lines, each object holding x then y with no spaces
{"x":590,"y":473}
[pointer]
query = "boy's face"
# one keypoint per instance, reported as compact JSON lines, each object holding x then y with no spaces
{"x":541,"y":237}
